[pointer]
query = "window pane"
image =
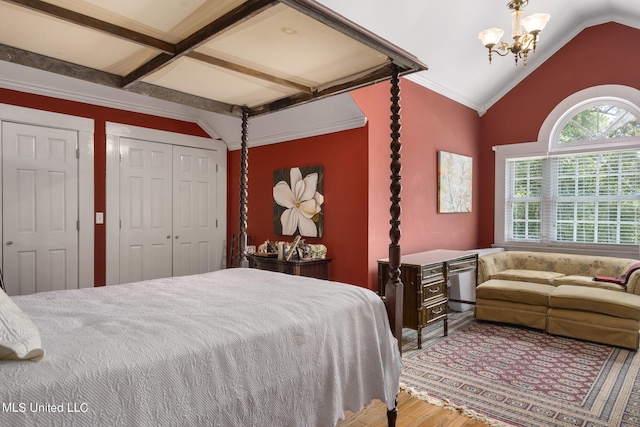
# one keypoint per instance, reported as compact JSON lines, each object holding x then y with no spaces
{"x":600,"y":122}
{"x":565,"y":232}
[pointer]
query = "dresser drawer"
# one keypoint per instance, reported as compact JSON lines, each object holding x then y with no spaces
{"x":434,"y":312}
{"x":431,"y":272}
{"x":433,"y":290}
{"x":461,"y":265}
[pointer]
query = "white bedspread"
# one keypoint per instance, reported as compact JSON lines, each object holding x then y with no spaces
{"x":237,"y":347}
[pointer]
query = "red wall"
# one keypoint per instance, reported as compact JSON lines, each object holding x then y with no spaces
{"x":599,"y":55}
{"x":344,"y":158}
{"x":100,"y":115}
{"x":430,"y":123}
{"x":356,"y":167}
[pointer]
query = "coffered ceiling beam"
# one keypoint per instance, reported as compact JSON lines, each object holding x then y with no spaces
{"x":248,"y":71}
{"x":52,"y":65}
{"x":380,"y":74}
{"x":95,"y":24}
{"x":231,"y":19}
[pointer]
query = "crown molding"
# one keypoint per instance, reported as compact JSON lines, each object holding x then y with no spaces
{"x":304,"y":133}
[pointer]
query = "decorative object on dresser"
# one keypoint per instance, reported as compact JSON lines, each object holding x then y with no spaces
{"x":425,"y":276}
{"x":298,"y":201}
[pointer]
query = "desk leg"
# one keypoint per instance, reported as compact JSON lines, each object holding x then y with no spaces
{"x":419,"y":337}
{"x":446,"y":325}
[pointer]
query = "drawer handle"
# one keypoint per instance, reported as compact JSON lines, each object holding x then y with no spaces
{"x":434,"y":291}
{"x":437,"y":310}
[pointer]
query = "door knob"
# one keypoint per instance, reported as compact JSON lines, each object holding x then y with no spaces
{"x":177,"y":236}
{"x":168,"y":236}
{"x":9,"y":243}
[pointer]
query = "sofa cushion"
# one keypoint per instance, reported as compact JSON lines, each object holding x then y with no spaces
{"x":588,"y":282}
{"x":534,"y":276}
{"x":619,"y":304}
{"x":533,"y":316}
{"x":595,"y":327}
{"x":509,"y":290}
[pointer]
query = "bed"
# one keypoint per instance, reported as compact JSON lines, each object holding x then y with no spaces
{"x":242,"y":347}
{"x":234,"y":347}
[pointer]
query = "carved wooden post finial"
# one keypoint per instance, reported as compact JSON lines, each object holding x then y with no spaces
{"x":394,"y":287}
{"x":244,"y":155}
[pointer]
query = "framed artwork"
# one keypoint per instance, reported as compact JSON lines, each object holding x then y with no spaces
{"x":454,"y":182}
{"x":298,"y":201}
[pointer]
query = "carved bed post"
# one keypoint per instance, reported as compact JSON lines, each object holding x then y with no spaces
{"x":244,"y":154}
{"x":394,"y":289}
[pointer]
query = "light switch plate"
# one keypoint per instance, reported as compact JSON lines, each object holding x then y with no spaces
{"x":99,"y":217}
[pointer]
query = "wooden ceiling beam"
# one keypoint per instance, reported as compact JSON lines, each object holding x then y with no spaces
{"x":240,"y":14}
{"x":52,"y":65}
{"x":381,"y":74}
{"x":95,"y":24}
{"x":45,"y":63}
{"x":248,"y":71}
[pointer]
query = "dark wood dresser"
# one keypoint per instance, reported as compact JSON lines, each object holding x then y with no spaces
{"x":425,"y":276}
{"x":318,"y":268}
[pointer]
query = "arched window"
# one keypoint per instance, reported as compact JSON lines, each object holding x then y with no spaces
{"x":583,"y":190}
{"x":595,"y":122}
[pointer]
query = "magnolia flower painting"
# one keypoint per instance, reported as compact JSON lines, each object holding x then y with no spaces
{"x":298,"y":201}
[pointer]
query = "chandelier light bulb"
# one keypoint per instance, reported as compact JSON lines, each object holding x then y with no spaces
{"x":491,"y":36}
{"x":536,"y":22}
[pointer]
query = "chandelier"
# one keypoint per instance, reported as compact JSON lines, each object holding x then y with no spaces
{"x":522,"y":43}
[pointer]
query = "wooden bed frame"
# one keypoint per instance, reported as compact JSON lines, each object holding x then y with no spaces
{"x":393,"y":62}
{"x":393,"y":298}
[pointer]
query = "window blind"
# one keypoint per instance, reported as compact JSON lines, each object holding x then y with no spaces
{"x":590,"y":198}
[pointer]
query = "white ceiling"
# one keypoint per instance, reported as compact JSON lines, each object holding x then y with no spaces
{"x":444,"y":35}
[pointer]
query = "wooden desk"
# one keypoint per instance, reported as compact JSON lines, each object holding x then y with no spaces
{"x":425,"y":276}
{"x":318,"y":268}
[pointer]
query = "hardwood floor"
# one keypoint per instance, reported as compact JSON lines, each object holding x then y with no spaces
{"x":412,"y":412}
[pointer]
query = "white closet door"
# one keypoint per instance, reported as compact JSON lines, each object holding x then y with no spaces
{"x":40,"y":208}
{"x":194,"y":210}
{"x":145,"y":210}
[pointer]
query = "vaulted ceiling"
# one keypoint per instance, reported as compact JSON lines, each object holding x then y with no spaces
{"x":204,"y":60}
{"x":444,"y":34}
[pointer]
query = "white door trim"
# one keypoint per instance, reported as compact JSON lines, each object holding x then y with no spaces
{"x":85,"y":128}
{"x":112,"y":215}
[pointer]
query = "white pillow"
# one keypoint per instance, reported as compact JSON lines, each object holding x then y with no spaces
{"x":19,"y":337}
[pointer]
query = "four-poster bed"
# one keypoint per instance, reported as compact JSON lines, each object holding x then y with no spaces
{"x":242,"y":58}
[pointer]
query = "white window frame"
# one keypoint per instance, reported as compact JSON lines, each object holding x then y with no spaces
{"x":544,"y":146}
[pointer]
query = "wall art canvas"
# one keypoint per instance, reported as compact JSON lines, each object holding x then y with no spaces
{"x":298,"y":196}
{"x":454,"y":182}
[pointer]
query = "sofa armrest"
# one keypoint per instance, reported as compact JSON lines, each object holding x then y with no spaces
{"x":491,"y":264}
{"x":633,"y":283}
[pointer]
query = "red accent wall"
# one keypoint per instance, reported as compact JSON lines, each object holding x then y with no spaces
{"x":357,"y":169}
{"x":430,"y":123}
{"x":100,"y":115}
{"x":589,"y":59}
{"x":343,"y":156}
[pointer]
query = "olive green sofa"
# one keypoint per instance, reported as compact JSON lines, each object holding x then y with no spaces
{"x":557,"y":293}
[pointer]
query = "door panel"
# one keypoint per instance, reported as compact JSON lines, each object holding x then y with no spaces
{"x":40,"y":208}
{"x":145,"y":210}
{"x":194,"y":177}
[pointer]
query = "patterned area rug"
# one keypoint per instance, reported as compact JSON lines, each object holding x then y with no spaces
{"x":507,"y":375}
